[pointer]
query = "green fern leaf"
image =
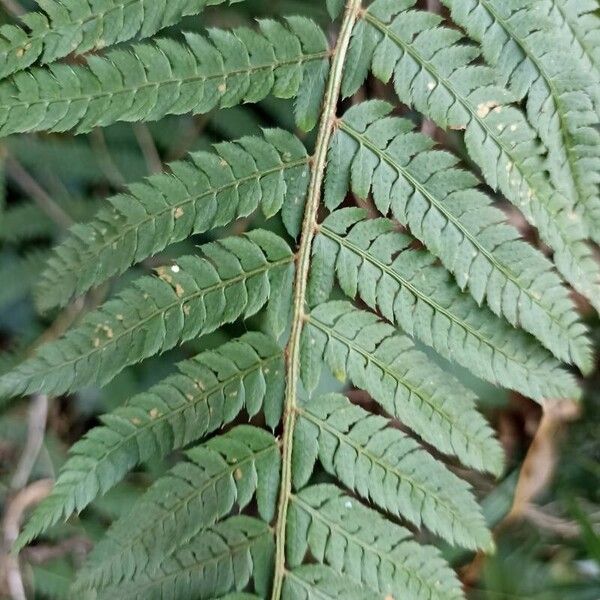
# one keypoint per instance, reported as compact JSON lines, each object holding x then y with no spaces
{"x":235,"y":278}
{"x":582,"y":21}
{"x":386,"y":467}
{"x":436,"y":74}
{"x":408,"y":385}
{"x":194,"y":495}
{"x":375,"y":262}
{"x":77,"y":26}
{"x":440,"y":203}
{"x":359,"y":543}
{"x":209,"y":391}
{"x":209,"y":191}
{"x":536,"y":62}
{"x":220,"y":559}
{"x":150,"y":81}
{"x":319,"y":582}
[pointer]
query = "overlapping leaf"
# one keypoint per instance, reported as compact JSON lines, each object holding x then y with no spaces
{"x":409,"y":386}
{"x":209,"y":391}
{"x":226,"y":471}
{"x":386,"y":467}
{"x":376,"y":263}
{"x":208,"y":191}
{"x":436,"y":73}
{"x":235,"y":277}
{"x":76,"y":26}
{"x":424,"y":189}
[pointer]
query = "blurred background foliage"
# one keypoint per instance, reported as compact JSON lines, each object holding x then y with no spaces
{"x":545,"y":510}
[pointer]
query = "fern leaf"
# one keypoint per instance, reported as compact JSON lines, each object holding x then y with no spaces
{"x":580,"y":18}
{"x":387,"y":467}
{"x":209,"y":391}
{"x":227,"y":470}
{"x":408,"y":385}
{"x":319,"y":582}
{"x":537,"y":62}
{"x":25,"y":222}
{"x":360,"y":543}
{"x":235,"y":278}
{"x":209,"y":191}
{"x":150,"y":81}
{"x":375,"y":262}
{"x":78,"y":26}
{"x":222,"y":558}
{"x":425,"y":190}
{"x":436,"y":74}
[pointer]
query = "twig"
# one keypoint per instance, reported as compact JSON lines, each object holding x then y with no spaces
{"x":32,"y":494}
{"x":13,"y":8}
{"x":148,"y":147}
{"x":32,"y":188}
{"x":36,"y":428}
{"x":107,"y":164}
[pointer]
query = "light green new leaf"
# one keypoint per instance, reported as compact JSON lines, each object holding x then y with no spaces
{"x":540,"y":61}
{"x":438,"y":75}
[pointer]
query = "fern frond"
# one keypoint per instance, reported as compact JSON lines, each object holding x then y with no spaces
{"x":538,"y":63}
{"x":310,"y":582}
{"x":360,"y":543}
{"x":78,"y":26}
{"x":208,"y":191}
{"x":26,"y":222}
{"x":209,"y":391}
{"x":235,"y":277}
{"x":408,"y":385}
{"x":583,"y":22}
{"x":372,"y":260}
{"x":222,"y":558}
{"x":387,"y":467}
{"x":424,"y":189}
{"x":150,"y":81}
{"x":226,"y":471}
{"x":436,"y":74}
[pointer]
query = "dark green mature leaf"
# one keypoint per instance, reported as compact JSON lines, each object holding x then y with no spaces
{"x":222,"y":558}
{"x":360,"y":543}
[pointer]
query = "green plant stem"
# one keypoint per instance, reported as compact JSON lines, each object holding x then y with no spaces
{"x":309,"y":227}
